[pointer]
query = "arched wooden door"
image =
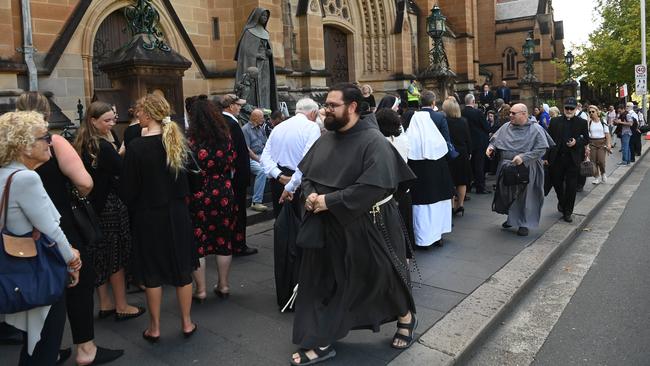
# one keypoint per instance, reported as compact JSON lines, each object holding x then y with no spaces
{"x":112,"y":34}
{"x":336,"y":55}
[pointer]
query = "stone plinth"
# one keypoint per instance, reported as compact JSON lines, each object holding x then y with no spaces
{"x":136,"y":71}
{"x":569,"y":89}
{"x":528,"y":94}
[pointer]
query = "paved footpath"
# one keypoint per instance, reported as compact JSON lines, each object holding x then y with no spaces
{"x":248,"y":329}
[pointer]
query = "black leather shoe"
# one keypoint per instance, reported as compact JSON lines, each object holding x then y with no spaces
{"x":523,"y":231}
{"x":105,"y":355}
{"x":567,"y":218}
{"x":245,"y":252}
{"x":64,"y":354}
{"x":505,"y":225}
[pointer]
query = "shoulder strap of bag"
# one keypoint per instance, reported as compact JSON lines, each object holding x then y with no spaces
{"x":4,"y":202}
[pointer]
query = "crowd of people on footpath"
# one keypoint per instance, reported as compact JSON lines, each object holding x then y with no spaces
{"x":356,"y":186}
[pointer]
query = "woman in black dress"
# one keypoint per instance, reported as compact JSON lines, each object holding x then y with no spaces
{"x":460,"y":168}
{"x":63,"y":170}
{"x":155,"y":187}
{"x":213,"y":206}
{"x":97,"y":145}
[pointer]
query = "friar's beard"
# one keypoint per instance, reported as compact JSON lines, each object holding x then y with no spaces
{"x":332,"y":123}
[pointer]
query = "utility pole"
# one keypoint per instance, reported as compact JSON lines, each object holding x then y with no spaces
{"x":643,"y":54}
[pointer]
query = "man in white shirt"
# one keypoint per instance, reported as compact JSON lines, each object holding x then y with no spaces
{"x":287,"y":145}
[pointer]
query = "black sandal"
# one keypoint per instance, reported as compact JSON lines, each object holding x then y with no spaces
{"x":409,"y":339}
{"x":321,"y":355}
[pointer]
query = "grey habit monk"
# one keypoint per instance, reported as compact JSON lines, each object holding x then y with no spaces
{"x":522,"y":142}
{"x":354,"y":273}
{"x":254,"y":50}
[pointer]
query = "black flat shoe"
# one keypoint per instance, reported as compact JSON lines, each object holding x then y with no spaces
{"x":126,"y":316}
{"x":103,"y":314}
{"x":245,"y":252}
{"x":150,"y":339}
{"x":191,"y":332}
{"x":105,"y":355}
{"x":567,"y":218}
{"x":64,"y":354}
{"x":505,"y":225}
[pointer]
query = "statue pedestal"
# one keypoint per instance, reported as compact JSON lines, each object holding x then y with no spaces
{"x":441,"y":83}
{"x":136,"y":71}
{"x":569,"y":89}
{"x":528,"y":95}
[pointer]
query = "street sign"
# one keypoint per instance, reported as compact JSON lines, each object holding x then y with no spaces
{"x":641,"y":79}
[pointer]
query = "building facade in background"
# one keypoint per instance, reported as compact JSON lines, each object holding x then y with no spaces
{"x":315,"y":43}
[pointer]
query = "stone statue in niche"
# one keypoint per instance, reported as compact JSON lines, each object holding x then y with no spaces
{"x":254,"y":50}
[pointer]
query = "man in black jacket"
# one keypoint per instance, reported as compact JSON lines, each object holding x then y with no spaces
{"x":231,"y":105}
{"x":571,"y":137}
{"x":480,"y":132}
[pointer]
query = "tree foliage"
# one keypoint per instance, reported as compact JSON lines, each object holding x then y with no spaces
{"x":615,"y":46}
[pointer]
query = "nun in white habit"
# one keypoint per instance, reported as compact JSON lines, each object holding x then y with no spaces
{"x":432,"y":191}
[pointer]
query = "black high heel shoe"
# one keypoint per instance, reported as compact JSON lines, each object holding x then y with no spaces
{"x":459,"y":210}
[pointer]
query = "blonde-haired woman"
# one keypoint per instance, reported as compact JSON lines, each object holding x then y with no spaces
{"x":366,"y":91}
{"x":24,"y":146}
{"x":600,"y":143}
{"x":98,"y":146}
{"x":155,"y":187}
{"x":553,"y":112}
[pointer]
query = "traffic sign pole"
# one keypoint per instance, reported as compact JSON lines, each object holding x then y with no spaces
{"x":643,"y":56}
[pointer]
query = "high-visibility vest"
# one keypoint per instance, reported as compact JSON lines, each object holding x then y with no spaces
{"x":412,"y":93}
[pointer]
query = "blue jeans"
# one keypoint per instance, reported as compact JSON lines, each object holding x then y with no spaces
{"x":625,"y":146}
{"x":260,"y":181}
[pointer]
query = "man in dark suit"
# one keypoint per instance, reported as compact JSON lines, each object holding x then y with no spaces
{"x":480,"y":131}
{"x":503,"y":92}
{"x":571,"y":137}
{"x":487,"y":97}
{"x":231,"y":106}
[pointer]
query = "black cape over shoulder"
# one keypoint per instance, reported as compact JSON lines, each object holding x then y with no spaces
{"x":360,"y":155}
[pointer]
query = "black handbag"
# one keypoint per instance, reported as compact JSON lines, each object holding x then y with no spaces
{"x":86,"y":219}
{"x":515,"y":174}
{"x":194,"y":173}
{"x":32,"y":271}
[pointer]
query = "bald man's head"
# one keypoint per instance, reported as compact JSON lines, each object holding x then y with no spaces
{"x":257,"y":117}
{"x":519,"y":114}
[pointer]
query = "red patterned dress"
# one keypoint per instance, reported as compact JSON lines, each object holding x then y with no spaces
{"x":213,"y":208}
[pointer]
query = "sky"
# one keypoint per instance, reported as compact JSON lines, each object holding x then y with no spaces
{"x":578,"y":20}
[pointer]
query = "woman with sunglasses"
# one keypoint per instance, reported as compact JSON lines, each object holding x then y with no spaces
{"x":600,"y":143}
{"x":64,"y":170}
{"x":24,"y":146}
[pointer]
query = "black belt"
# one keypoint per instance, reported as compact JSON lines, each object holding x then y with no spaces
{"x":285,"y":171}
